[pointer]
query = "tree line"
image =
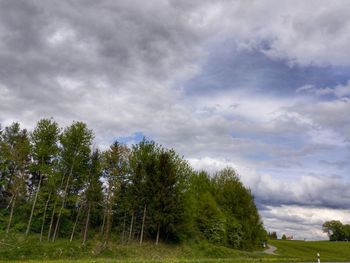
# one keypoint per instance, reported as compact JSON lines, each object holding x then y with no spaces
{"x":54,"y":184}
{"x":336,"y":230}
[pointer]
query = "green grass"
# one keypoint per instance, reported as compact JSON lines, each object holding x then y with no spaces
{"x":17,"y":248}
{"x":307,"y":250}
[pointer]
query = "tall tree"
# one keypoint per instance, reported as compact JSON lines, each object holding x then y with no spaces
{"x":238,"y":203}
{"x":203,"y":214}
{"x":166,"y":188}
{"x":44,"y":152}
{"x":334,"y":229}
{"x":147,"y":191}
{"x":143,"y":163}
{"x":16,"y":149}
{"x":115,"y":170}
{"x":93,"y":190}
{"x":75,"y":143}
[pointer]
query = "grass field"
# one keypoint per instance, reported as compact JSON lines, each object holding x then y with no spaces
{"x":306,"y":250}
{"x":20,"y":249}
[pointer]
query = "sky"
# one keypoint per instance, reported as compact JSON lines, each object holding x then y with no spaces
{"x":261,"y":86}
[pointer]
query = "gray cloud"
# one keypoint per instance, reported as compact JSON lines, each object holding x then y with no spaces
{"x":306,"y":191}
{"x":99,"y":62}
{"x":301,"y":222}
{"x":121,"y":66}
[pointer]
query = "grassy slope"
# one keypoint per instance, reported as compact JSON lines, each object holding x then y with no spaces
{"x":29,"y":249}
{"x":307,"y":250}
{"x":21,"y":248}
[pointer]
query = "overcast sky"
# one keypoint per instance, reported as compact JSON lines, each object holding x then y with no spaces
{"x":263,"y":86}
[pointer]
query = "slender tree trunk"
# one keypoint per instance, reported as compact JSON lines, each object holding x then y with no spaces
{"x":7,"y":207}
{"x":44,"y":217}
{"x":53,"y":212}
{"x":108,"y":215}
{"x":75,"y":225}
{"x":55,"y":232}
{"x":63,"y":202}
{"x":137,"y":235}
{"x":108,"y":224}
{"x":33,"y":206}
{"x":131,"y":225}
{"x":86,"y":225}
{"x":11,"y":213}
{"x":143,"y":223}
{"x":124,"y":223}
{"x":103,"y":223}
{"x":15,"y":195}
{"x":157,"y":239}
{"x":51,"y":221}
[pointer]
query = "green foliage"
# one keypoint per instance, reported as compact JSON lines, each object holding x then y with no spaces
{"x":15,"y":147}
{"x":234,"y":232}
{"x":54,"y":186}
{"x":336,"y":230}
{"x":29,"y":249}
{"x":272,"y":235}
{"x":224,"y":211}
{"x":17,"y":247}
{"x":210,"y":220}
{"x":238,"y":203}
{"x":44,"y":139}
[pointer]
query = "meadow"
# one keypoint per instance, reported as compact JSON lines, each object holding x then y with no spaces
{"x":24,"y":249}
{"x":307,"y":250}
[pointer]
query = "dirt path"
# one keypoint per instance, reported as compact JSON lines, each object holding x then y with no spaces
{"x":271,"y":250}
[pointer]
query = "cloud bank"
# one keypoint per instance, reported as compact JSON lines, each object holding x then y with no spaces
{"x":262,"y":86}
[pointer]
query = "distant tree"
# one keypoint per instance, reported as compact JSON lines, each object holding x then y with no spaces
{"x":346,"y":230}
{"x":284,"y":237}
{"x":272,"y":235}
{"x":335,"y":230}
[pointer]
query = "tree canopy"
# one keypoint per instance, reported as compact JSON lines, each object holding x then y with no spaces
{"x":336,"y":230}
{"x":55,"y":184}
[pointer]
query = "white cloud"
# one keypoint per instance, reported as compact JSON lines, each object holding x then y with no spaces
{"x":339,"y":91}
{"x":295,"y":206}
{"x":121,"y":66}
{"x":301,"y":32}
{"x":301,"y":222}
